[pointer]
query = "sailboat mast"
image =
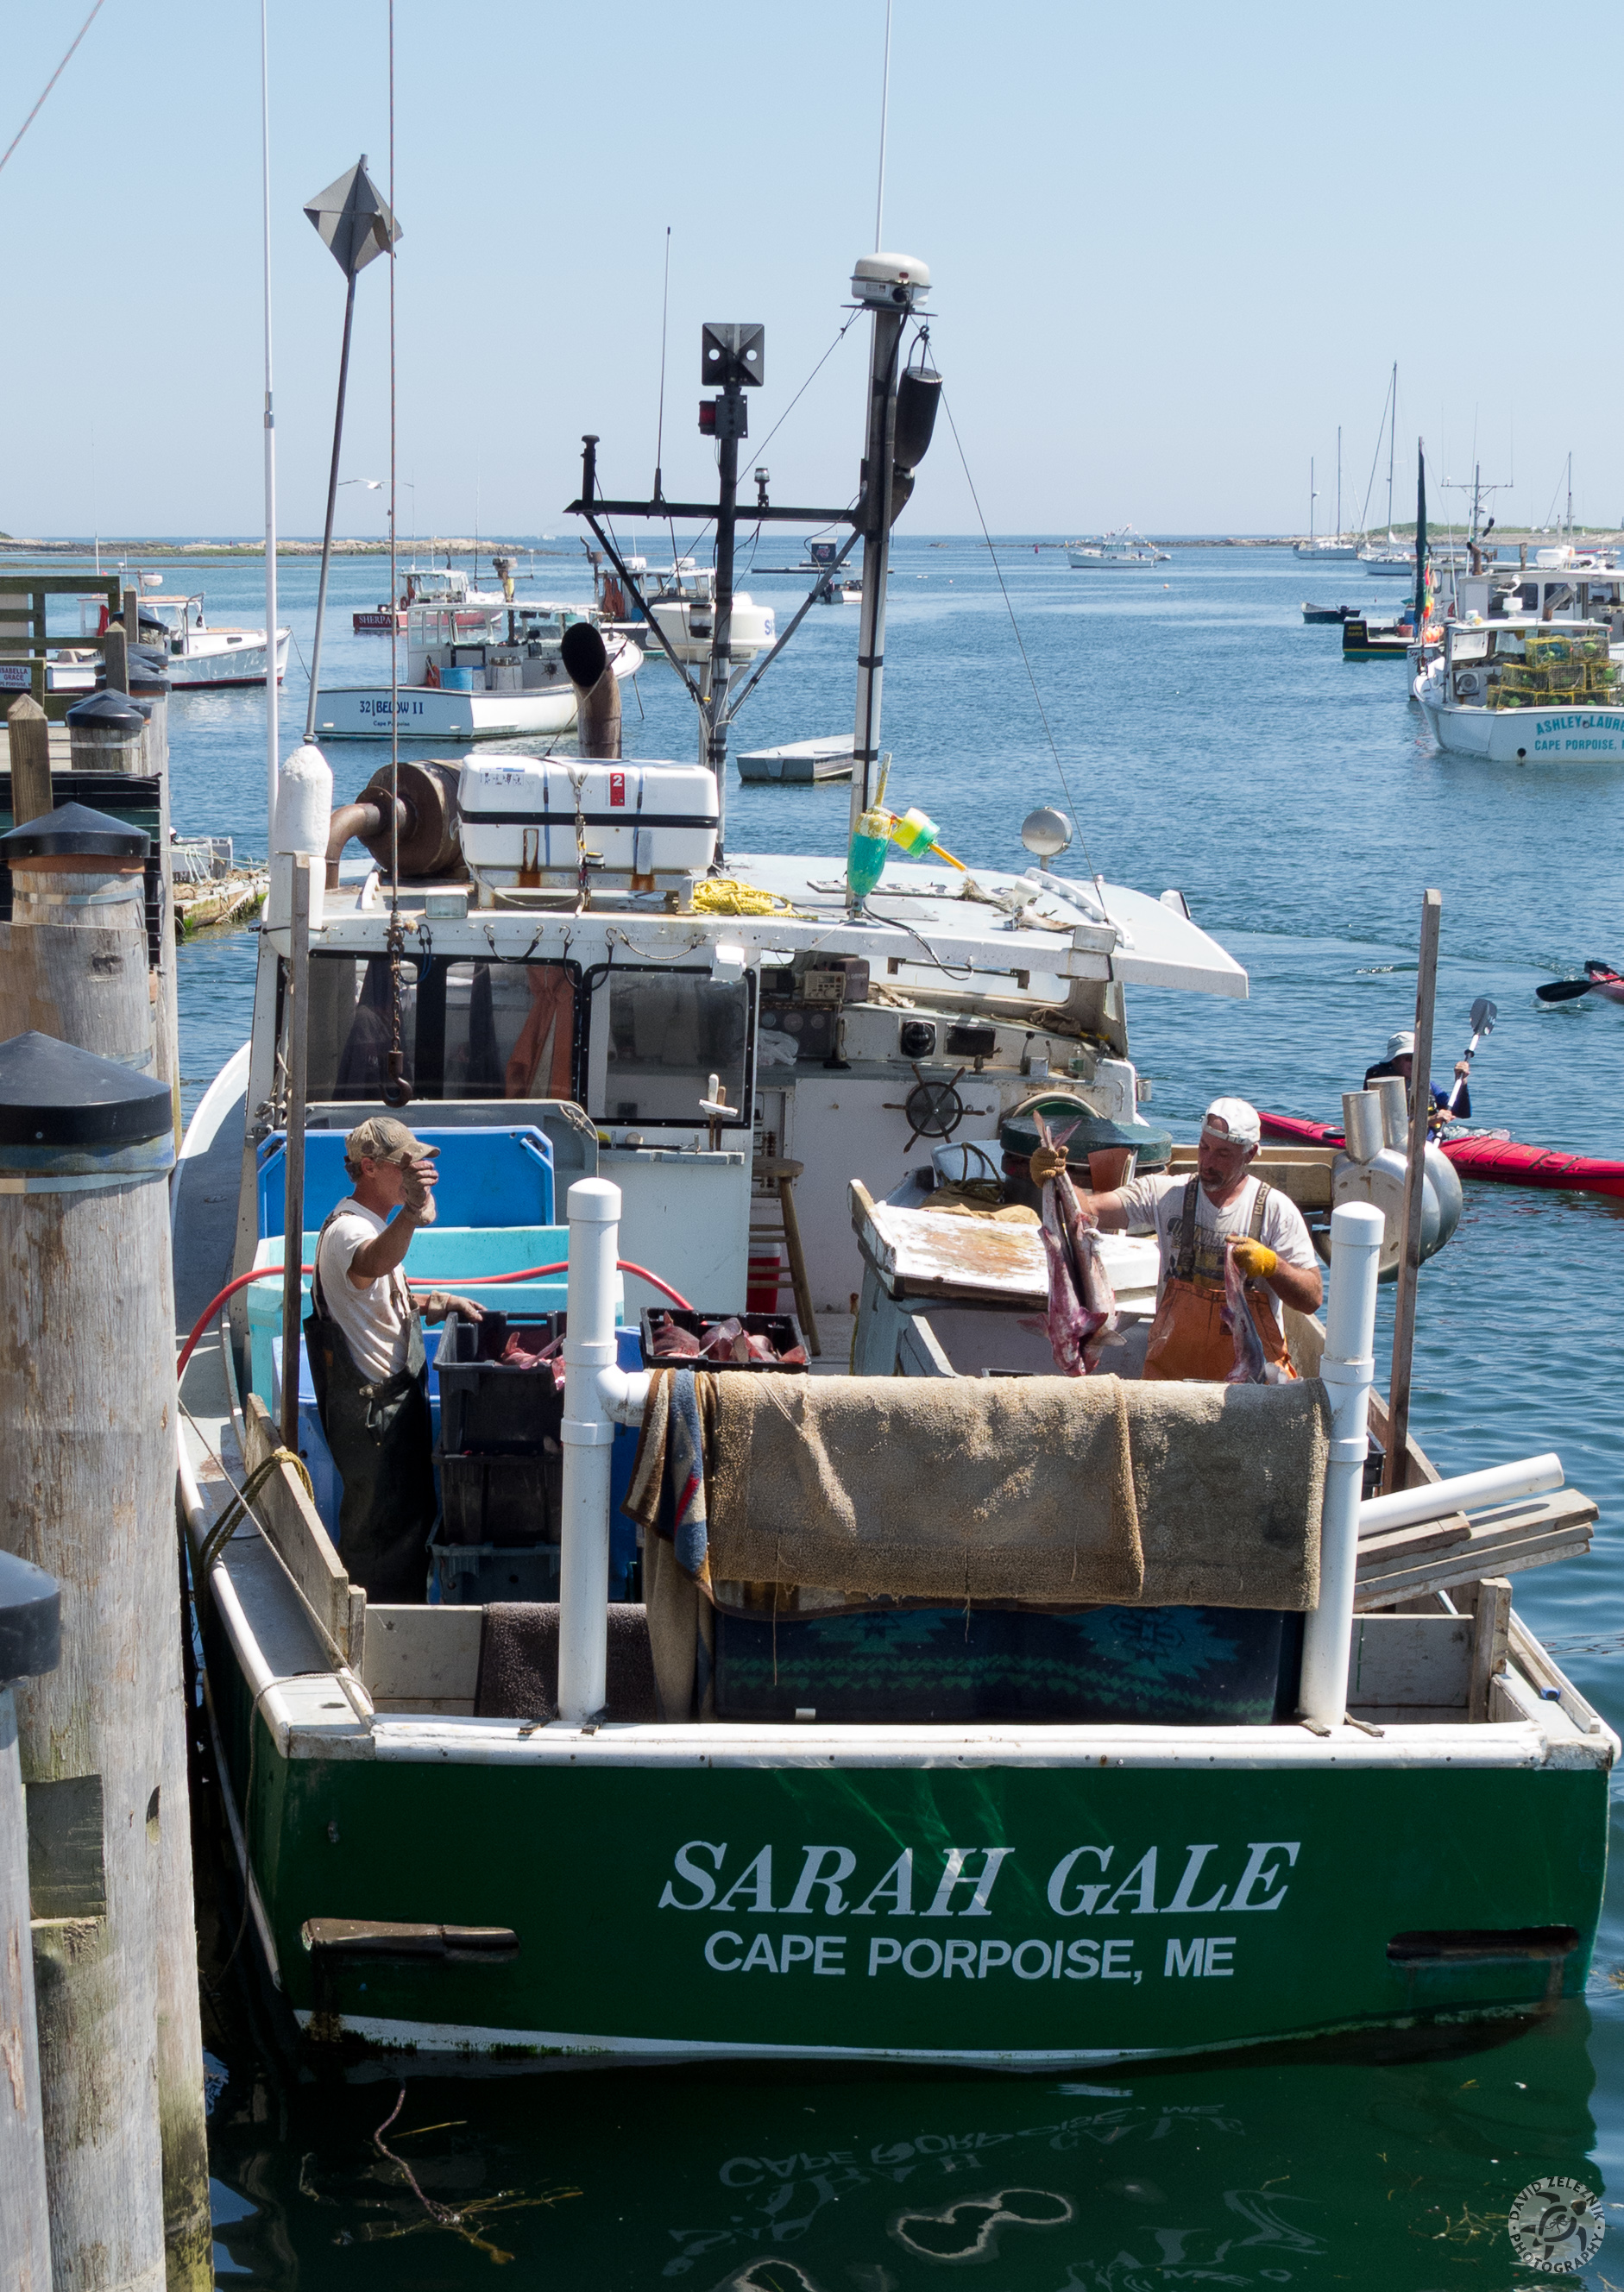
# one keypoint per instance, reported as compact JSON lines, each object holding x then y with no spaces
{"x":1311,"y":501}
{"x":1570,"y":498}
{"x":1393,"y":423}
{"x":1338,"y":481}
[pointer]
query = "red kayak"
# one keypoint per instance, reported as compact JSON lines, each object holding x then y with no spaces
{"x":1483,"y":1154}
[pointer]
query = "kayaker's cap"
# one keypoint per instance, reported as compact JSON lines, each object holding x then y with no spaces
{"x":1233,"y":1119}
{"x":381,"y":1139}
{"x":1401,"y":1046}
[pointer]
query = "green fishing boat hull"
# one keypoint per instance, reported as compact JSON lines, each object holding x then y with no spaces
{"x":954,"y":1911}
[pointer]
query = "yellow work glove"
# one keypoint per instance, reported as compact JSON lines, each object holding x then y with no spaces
{"x":1255,"y":1260}
{"x":1047,"y":1162}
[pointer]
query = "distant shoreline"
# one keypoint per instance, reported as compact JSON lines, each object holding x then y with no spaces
{"x":119,"y":547}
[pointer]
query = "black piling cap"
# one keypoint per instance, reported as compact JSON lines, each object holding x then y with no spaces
{"x":108,"y":712}
{"x":73,"y":829}
{"x":54,"y":1095}
{"x":30,"y":1620}
{"x":149,"y":669}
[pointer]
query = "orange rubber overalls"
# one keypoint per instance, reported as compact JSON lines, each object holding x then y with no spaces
{"x":1187,"y":1338}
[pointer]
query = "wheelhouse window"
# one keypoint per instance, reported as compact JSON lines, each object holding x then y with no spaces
{"x":658,"y":1036}
{"x":485,"y":1029}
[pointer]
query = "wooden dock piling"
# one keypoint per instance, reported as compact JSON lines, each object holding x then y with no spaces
{"x":31,"y":1642}
{"x":87,"y":1419}
{"x":30,"y":742}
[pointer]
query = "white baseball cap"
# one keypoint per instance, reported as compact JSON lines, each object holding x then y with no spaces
{"x":1403,"y":1045}
{"x":1234,"y":1118}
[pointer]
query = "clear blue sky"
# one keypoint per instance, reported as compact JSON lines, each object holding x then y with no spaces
{"x":1174,"y":247}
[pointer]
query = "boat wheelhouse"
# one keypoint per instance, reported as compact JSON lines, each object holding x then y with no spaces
{"x":496,"y":672}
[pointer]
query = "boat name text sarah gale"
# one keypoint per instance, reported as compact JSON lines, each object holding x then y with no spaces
{"x":1077,"y":1886}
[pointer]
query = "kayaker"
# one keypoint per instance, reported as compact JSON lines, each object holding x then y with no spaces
{"x":364,"y":1342}
{"x":1196,"y":1222}
{"x":1400,"y":1061}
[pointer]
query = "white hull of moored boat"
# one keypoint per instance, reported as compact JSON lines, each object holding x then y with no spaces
{"x":222,"y":657}
{"x":436,"y":713}
{"x":1518,"y":736}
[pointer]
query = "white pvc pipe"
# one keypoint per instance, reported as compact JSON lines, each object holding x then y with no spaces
{"x":587,"y":1434}
{"x":1437,"y":1499}
{"x":1347,"y":1367}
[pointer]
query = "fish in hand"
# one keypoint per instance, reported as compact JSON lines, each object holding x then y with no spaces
{"x":1251,"y":1365}
{"x":1082,"y":1303}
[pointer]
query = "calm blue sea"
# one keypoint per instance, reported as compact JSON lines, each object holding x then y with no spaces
{"x":1209,"y":740}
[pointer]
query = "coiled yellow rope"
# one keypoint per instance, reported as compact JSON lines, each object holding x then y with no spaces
{"x":724,"y":895}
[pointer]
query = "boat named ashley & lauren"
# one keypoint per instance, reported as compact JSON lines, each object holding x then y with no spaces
{"x":1522,"y":690}
{"x":937,"y":1806}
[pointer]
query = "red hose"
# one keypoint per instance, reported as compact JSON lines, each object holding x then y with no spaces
{"x":417,"y":1281}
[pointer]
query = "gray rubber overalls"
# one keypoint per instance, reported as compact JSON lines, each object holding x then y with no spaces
{"x":381,"y":1435}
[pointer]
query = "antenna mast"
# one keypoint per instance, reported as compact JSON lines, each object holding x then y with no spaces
{"x":879,"y":196}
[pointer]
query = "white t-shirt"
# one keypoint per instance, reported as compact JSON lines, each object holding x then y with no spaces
{"x":375,"y":1321}
{"x":1157,"y":1206}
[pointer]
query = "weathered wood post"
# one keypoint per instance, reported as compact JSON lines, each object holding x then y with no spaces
{"x":87,"y":1423}
{"x":107,"y":732}
{"x":149,"y":689}
{"x":29,"y":740}
{"x":73,"y":960}
{"x":116,"y":659}
{"x":31,"y":1643}
{"x":87,"y":1310}
{"x":131,"y":616}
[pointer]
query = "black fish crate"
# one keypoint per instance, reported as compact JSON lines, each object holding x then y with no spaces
{"x":501,"y":1499}
{"x":782,"y":1331}
{"x":491,"y":1407}
{"x":487,"y":1574}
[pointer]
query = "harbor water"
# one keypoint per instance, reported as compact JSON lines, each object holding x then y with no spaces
{"x":1207,"y":741}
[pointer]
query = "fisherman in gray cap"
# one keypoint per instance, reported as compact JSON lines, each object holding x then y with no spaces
{"x":364,"y":1342}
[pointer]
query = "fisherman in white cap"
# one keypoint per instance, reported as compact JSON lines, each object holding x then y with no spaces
{"x":1197,"y":1222}
{"x":364,"y":1344}
{"x":1400,"y":1061}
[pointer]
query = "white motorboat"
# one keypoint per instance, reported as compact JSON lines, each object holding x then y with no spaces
{"x":502,"y":678}
{"x":1524,"y":690}
{"x":1114,"y":551}
{"x":198,"y":652}
{"x":439,"y":585}
{"x":202,"y":652}
{"x":685,"y":611}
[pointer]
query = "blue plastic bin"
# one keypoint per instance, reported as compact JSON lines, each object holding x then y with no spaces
{"x":487,"y":1176}
{"x":453,"y":1256}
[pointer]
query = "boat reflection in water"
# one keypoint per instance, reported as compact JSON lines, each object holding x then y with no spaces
{"x":1394,"y":2164}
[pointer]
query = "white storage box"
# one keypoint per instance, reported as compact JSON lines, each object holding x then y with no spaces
{"x":524,"y":818}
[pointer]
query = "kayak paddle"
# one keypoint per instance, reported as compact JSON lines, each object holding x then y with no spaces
{"x":1484,"y":1016}
{"x":1567,"y":990}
